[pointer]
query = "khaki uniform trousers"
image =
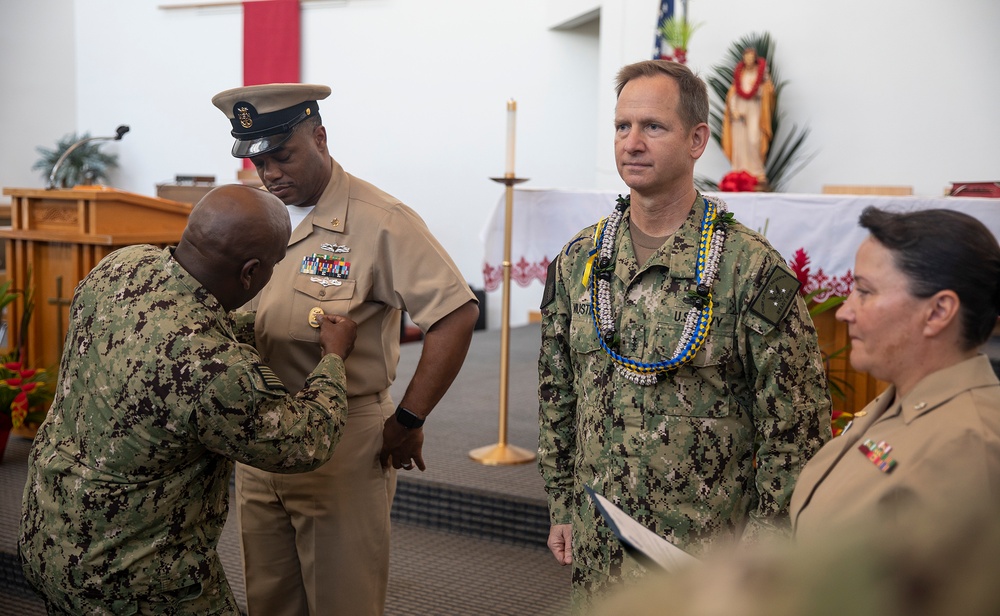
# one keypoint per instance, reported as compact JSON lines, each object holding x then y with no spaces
{"x":318,"y":543}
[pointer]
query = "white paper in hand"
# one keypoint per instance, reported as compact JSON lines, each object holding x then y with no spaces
{"x":643,"y":544}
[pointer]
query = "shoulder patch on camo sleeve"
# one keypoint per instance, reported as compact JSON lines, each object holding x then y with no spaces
{"x":776,"y":296}
{"x":549,"y":293}
{"x":269,"y":378}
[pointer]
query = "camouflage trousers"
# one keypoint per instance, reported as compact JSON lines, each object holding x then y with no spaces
{"x":176,"y":603}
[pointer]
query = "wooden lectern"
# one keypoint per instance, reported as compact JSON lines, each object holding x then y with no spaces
{"x":60,"y":235}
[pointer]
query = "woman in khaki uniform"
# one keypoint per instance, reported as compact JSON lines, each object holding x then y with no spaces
{"x":925,"y":299}
{"x":318,"y":543}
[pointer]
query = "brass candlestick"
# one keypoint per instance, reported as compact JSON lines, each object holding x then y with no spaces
{"x":501,"y":452}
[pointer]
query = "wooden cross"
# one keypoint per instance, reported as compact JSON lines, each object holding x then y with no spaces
{"x":58,"y":301}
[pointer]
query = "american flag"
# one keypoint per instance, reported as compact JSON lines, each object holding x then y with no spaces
{"x":666,"y":12}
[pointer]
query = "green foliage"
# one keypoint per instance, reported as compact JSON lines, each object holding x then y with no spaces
{"x":786,"y":155}
{"x":6,"y":295}
{"x":677,"y":32}
{"x":828,"y":304}
{"x":84,"y":165}
{"x":29,"y":309}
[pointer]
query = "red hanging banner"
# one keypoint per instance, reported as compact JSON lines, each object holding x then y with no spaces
{"x":271,"y":42}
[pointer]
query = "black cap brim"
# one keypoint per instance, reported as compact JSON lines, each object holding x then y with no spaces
{"x":256,"y":147}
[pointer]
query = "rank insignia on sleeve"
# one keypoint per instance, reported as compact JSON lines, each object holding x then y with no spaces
{"x":777,"y":295}
{"x":269,"y":378}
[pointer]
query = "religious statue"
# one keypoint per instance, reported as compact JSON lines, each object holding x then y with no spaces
{"x":746,"y":124}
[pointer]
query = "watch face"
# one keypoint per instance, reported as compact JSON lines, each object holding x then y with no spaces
{"x":407,"y":418}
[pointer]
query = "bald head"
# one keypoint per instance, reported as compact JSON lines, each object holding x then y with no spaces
{"x":233,"y":239}
{"x":234,"y":222}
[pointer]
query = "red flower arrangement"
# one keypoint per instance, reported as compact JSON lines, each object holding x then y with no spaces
{"x":819,"y":286}
{"x":738,"y":181}
{"x":24,"y":392}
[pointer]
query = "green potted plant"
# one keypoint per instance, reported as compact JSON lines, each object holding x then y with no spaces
{"x":84,"y":164}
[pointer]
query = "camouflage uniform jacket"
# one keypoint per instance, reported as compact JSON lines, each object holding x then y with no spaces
{"x":679,"y":455}
{"x":128,"y":479}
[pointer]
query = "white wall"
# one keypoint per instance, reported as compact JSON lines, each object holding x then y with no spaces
{"x":893,"y":95}
{"x":895,"y":91}
{"x":37,"y":84}
{"x":418,"y":104}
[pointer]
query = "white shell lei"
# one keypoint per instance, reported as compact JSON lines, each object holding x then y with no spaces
{"x":699,"y":318}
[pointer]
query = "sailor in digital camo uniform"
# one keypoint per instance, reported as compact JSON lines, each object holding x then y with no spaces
{"x":692,"y":390}
{"x":128,"y":477}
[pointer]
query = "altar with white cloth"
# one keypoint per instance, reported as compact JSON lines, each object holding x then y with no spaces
{"x":821,"y":229}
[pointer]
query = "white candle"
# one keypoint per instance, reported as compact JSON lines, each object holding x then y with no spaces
{"x":511,"y":111}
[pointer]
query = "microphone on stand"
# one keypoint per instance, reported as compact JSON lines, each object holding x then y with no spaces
{"x":119,"y":133}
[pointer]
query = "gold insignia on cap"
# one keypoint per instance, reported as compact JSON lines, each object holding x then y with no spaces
{"x":309,"y":111}
{"x":243,"y":115}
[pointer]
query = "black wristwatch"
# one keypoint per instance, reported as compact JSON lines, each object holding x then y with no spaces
{"x":408,"y":418}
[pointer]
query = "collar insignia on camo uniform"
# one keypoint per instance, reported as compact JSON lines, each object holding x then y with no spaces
{"x":777,"y":295}
{"x":328,"y":266}
{"x":269,"y":378}
{"x":334,"y":248}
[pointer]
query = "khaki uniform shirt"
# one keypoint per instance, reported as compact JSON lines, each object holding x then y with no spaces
{"x":128,"y":478}
{"x":678,"y":456}
{"x":393,"y":263}
{"x":944,"y":452}
{"x":363,"y":254}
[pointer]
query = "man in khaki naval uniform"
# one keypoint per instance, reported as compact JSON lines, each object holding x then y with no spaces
{"x":319,"y":543}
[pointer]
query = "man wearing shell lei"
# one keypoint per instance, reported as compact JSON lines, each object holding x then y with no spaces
{"x":679,"y":375}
